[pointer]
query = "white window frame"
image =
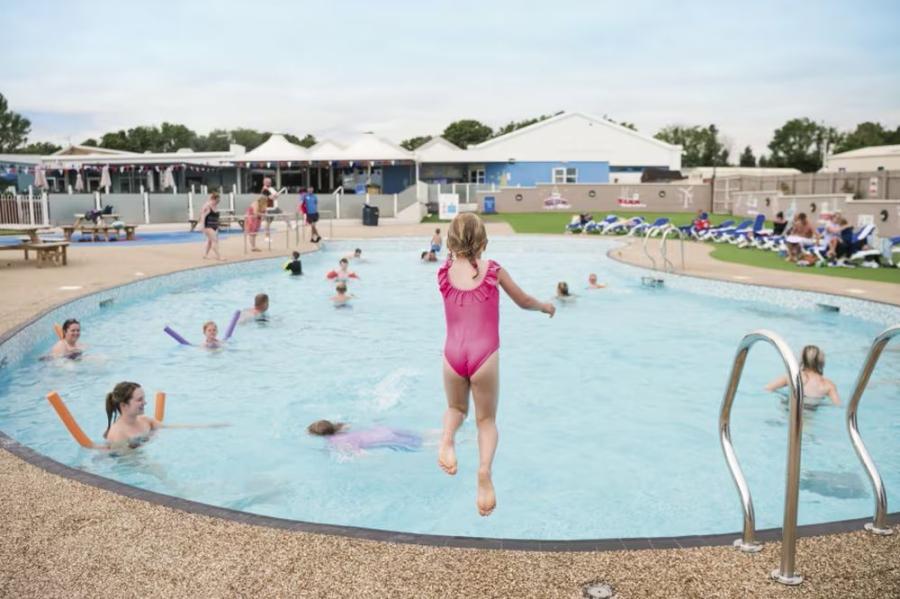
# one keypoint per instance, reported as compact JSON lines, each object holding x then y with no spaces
{"x":476,"y":175}
{"x":565,"y":174}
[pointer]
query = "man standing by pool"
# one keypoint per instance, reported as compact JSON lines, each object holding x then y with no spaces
{"x":309,"y":205}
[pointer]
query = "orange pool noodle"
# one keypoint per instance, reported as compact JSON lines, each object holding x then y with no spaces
{"x":58,"y":329}
{"x":160,"y":411}
{"x":63,"y":412}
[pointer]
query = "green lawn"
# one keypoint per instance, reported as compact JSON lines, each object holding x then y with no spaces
{"x":555,"y":222}
{"x":765,"y":259}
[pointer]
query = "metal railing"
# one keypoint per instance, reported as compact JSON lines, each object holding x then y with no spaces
{"x":338,"y":194}
{"x":879,"y":524}
{"x":747,"y":543}
{"x":663,"y":249}
{"x":646,"y":252}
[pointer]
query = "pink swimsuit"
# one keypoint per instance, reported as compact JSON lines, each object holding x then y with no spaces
{"x":473,"y":320}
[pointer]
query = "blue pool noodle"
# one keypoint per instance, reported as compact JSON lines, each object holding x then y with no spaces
{"x":176,"y":336}
{"x":234,"y":321}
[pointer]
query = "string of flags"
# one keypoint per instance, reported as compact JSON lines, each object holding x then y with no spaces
{"x":142,"y":168}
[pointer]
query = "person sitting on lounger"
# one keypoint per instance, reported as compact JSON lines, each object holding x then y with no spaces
{"x":816,"y":387}
{"x":801,"y":232}
{"x":68,"y":347}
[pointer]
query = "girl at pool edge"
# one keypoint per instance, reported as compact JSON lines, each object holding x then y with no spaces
{"x":68,"y":347}
{"x":468,"y":285}
{"x":126,"y":425}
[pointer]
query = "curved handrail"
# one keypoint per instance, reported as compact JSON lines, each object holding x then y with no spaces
{"x":879,"y":524}
{"x":747,"y":542}
{"x":663,"y":247}
{"x":646,"y":253}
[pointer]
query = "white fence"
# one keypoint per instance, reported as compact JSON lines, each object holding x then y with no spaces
{"x":23,"y":209}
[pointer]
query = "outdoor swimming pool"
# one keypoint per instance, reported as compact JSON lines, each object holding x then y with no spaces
{"x":608,"y":412}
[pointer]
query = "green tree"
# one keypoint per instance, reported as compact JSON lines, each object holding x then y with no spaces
{"x":763,"y":161}
{"x":514,"y":125}
{"x":747,"y":157}
{"x":14,"y":128}
{"x":249,"y":138}
{"x":414,"y":142}
{"x":115,"y":140}
{"x":629,"y":125}
{"x":217,"y":140}
{"x":467,"y":132}
{"x":173,"y":137}
{"x":865,"y":135}
{"x":90,"y":142}
{"x":700,"y":145}
{"x":308,"y":141}
{"x":43,"y":148}
{"x":799,"y":144}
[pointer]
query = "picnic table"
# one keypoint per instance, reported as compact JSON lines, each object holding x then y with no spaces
{"x":30,"y":230}
{"x":110,"y":217}
{"x":48,"y":252}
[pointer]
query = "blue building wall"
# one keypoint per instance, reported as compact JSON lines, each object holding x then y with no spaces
{"x":394,"y":179}
{"x":527,"y":174}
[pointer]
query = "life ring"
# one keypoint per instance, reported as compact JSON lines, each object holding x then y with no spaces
{"x":884,"y":215}
{"x":77,"y":432}
{"x":662,"y":193}
{"x":592,"y":194}
{"x":768,"y":202}
{"x":518,"y":197}
{"x":812,"y":207}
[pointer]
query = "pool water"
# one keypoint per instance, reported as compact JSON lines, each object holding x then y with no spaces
{"x":608,"y":412}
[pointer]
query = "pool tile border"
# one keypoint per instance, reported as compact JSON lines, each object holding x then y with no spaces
{"x":387,"y":536}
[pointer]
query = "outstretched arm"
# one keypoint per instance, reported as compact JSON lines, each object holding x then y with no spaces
{"x":777,"y":383}
{"x":522,"y":299}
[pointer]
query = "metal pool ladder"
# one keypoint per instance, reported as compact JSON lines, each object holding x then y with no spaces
{"x":879,"y":523}
{"x":747,"y":543}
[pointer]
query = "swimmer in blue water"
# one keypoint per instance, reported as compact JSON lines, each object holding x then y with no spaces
{"x":210,"y":335}
{"x":816,"y":386}
{"x":260,"y":310}
{"x":341,"y":298}
{"x":343,"y":440}
{"x":436,"y":241}
{"x":126,"y":424}
{"x":68,"y":347}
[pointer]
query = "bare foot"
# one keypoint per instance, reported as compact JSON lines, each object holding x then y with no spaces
{"x":486,"y":500}
{"x":447,"y":458}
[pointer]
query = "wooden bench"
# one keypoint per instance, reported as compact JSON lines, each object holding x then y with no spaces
{"x":51,"y":252}
{"x":96,"y":231}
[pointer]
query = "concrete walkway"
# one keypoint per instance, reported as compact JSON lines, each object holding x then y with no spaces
{"x":61,"y":538}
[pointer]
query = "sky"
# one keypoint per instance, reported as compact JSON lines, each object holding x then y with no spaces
{"x":78,"y":69}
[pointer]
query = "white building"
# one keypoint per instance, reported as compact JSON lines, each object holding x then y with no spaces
{"x":873,"y":158}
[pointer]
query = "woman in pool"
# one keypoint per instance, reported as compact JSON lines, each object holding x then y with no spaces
{"x":209,"y":218}
{"x":816,"y":387}
{"x":562,"y":293}
{"x":68,"y":347}
{"x":469,"y":286}
{"x":343,"y":273}
{"x":126,"y":424}
{"x":377,"y":437}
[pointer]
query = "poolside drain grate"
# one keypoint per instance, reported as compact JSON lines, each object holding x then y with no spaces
{"x":598,"y":590}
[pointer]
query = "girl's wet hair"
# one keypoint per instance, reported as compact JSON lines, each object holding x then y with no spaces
{"x":69,"y":323}
{"x":208,"y":323}
{"x":324,"y":427}
{"x":121,"y":394}
{"x":812,"y":358}
{"x":467,"y":238}
{"x":562,"y":288}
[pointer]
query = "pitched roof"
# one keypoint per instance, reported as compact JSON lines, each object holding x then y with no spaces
{"x":870,"y":152}
{"x":276,"y":149}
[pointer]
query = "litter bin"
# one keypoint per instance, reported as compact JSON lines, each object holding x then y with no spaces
{"x":370,"y":215}
{"x":489,"y":205}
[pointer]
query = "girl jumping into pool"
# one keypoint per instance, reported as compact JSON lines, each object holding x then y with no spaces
{"x":468,"y":285}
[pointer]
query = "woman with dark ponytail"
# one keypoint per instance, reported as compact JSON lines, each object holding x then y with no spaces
{"x":126,"y":423}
